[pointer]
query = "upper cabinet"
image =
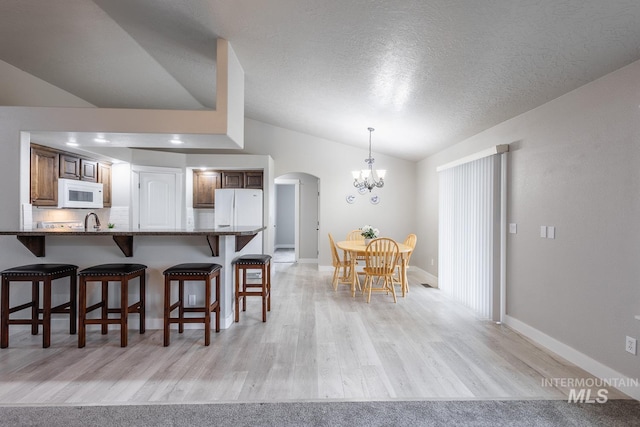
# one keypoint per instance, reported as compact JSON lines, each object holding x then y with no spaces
{"x":206,"y":182}
{"x":232,"y":179}
{"x":69,"y":166}
{"x":48,"y":164}
{"x":74,"y":167}
{"x":89,"y":170}
{"x":253,"y":179}
{"x":44,"y":176}
{"x":104,"y":177}
{"x":204,"y":188}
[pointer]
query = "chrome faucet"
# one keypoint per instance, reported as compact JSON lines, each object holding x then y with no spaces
{"x":96,"y":227}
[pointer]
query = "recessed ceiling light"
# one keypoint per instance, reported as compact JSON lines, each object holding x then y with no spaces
{"x":72,"y":144}
{"x":100,"y":140}
{"x":176,"y":141}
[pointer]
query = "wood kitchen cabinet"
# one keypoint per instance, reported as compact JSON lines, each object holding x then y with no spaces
{"x":44,"y":176}
{"x":204,"y":186}
{"x":49,"y":164}
{"x":88,"y":170}
{"x":74,"y":167}
{"x":233,"y":179}
{"x":69,"y":166}
{"x":253,"y":179}
{"x":242,"y":179}
{"x":104,"y":177}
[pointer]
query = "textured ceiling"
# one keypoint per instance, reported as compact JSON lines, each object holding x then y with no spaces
{"x":424,"y":73}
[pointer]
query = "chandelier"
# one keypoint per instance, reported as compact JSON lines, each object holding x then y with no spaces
{"x":369,"y":178}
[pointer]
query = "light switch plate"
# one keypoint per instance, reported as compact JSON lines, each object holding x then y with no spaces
{"x":543,"y":231}
{"x":551,"y":232}
{"x":513,"y":228}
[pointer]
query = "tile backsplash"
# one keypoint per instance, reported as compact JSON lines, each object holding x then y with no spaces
{"x":118,"y":215}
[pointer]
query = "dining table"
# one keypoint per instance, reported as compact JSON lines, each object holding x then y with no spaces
{"x":358,"y":248}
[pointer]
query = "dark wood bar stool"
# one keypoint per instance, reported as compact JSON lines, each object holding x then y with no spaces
{"x":190,"y":272}
{"x":243,"y":289}
{"x":106,"y":273}
{"x":36,"y":273}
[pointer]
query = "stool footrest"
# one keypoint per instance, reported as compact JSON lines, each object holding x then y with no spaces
{"x":21,"y":307}
{"x":252,"y":294}
{"x":94,"y":306}
{"x":23,"y":321}
{"x":62,"y":308}
{"x":134,"y":308}
{"x":102,"y":321}
{"x":195,"y":309}
{"x":186,"y":320}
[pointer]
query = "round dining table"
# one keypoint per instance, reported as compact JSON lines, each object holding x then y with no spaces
{"x":356,"y":248}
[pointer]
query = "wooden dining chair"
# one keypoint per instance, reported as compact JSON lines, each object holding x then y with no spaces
{"x":341,"y":266}
{"x":397,"y":278}
{"x":381,"y":258}
{"x":357,"y":235}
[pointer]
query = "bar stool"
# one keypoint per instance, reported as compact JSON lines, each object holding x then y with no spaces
{"x":36,"y":273}
{"x":253,"y":262}
{"x":106,"y":273}
{"x":189,"y":272}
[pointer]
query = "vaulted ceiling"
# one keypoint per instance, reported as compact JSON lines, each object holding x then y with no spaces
{"x":425,"y":73}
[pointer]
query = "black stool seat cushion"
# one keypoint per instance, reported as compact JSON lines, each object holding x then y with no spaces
{"x":39,"y":269}
{"x":252,"y":259}
{"x":194,"y":268}
{"x":112,"y":269}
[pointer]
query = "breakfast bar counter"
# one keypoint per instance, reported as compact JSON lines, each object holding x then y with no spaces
{"x":34,"y":239}
{"x":225,"y":243}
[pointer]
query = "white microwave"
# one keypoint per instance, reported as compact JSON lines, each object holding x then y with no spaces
{"x":79,"y":194}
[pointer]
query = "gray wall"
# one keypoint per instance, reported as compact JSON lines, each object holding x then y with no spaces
{"x":574,"y":165}
{"x":285,"y":216}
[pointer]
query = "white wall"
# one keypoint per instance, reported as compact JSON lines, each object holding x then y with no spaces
{"x":575,"y":165}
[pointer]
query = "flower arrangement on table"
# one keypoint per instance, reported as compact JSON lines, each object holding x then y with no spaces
{"x":368,"y":232}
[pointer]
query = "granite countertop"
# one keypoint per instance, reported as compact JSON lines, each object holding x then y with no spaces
{"x":34,"y":239}
{"x":218,"y":231}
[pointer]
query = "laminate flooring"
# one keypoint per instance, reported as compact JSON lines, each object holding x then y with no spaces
{"x":317,"y":344}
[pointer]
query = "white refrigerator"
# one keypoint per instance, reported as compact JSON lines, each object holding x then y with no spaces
{"x":240,"y":207}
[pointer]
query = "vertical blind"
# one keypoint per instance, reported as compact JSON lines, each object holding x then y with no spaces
{"x":469,"y":234}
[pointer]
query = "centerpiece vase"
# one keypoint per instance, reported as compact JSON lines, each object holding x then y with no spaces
{"x":367,"y":241}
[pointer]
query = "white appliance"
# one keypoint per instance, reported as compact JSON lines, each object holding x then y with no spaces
{"x":74,"y":193}
{"x":240,"y":207}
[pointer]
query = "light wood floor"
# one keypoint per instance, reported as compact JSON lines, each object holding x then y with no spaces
{"x":316,"y":344}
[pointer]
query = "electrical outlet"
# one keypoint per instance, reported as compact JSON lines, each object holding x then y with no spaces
{"x":432,"y":261}
{"x":630,"y":345}
{"x":192,"y":300}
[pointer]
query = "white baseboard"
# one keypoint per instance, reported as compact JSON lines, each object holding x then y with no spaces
{"x":574,"y":356}
{"x":424,"y":276}
{"x":328,"y":268}
{"x":307,"y":260}
{"x":284,"y":246}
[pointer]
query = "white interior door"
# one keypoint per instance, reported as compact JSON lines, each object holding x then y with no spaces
{"x":158,"y":201}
